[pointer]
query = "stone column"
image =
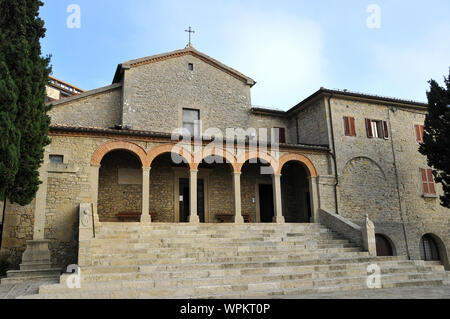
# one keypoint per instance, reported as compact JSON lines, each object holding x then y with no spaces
{"x":193,"y":217}
{"x":314,"y":199}
{"x":238,"y":219}
{"x":276,"y":182}
{"x":145,"y":218}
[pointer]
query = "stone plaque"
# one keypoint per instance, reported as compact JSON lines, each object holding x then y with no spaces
{"x":130,"y":176}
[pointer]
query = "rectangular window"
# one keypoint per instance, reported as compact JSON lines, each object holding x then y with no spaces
{"x":427,"y":181}
{"x":279,"y":134}
{"x":377,"y":129}
{"x":419,"y":133}
{"x":349,"y":126}
{"x":191,"y":120}
{"x":56,"y":159}
{"x":191,"y":66}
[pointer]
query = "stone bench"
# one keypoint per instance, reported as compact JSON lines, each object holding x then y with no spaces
{"x":228,"y":217}
{"x":134,"y":216}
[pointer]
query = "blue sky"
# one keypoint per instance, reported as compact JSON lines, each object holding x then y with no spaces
{"x":291,"y":48}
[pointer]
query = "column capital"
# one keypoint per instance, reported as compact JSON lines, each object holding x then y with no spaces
{"x":146,"y":169}
{"x":236,"y":173}
{"x":193,"y":170}
{"x":276,"y":175}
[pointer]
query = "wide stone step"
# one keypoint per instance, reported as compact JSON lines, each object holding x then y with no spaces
{"x":235,"y":265}
{"x":145,"y":259}
{"x":213,"y":258}
{"x":320,"y":277}
{"x":159,"y":282}
{"x":138,"y":289}
{"x":208,"y":273}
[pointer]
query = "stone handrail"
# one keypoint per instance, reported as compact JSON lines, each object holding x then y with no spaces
{"x":362,"y":236}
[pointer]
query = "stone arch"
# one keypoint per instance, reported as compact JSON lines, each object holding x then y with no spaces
{"x":170,"y":148}
{"x":244,"y":157}
{"x":363,"y":189}
{"x":388,"y":241}
{"x":442,"y":250}
{"x":202,"y":154}
{"x":350,"y":161}
{"x":310,"y":168}
{"x":119,"y":145}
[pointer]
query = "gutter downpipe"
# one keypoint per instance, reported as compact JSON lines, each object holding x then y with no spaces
{"x":333,"y":155}
{"x":398,"y":188}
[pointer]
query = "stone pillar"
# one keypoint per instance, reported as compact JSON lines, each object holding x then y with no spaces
{"x":37,"y":256}
{"x":314,"y":199}
{"x":276,"y":182}
{"x":368,"y":234}
{"x":238,"y":219}
{"x":145,"y":218}
{"x":193,"y":217}
{"x":94,"y":172}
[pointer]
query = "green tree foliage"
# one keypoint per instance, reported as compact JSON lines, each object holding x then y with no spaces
{"x":22,"y":95}
{"x":436,"y":137}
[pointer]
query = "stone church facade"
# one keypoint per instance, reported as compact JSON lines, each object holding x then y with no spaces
{"x":337,"y":152}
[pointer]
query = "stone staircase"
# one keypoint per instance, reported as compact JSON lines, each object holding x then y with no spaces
{"x":129,"y":260}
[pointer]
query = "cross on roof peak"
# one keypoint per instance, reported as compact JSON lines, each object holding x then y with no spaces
{"x":190,"y":31}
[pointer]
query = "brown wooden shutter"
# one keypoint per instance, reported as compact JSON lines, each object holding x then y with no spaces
{"x":346,"y":126}
{"x":369,"y":128}
{"x":421,"y":133}
{"x":431,"y":182}
{"x":352,"y":127}
{"x":417,"y":129}
{"x":424,"y":180}
{"x":385,"y":130}
{"x":282,"y":135}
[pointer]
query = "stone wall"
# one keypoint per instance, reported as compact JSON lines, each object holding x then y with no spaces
{"x":312,"y":124}
{"x":103,"y":110}
{"x":150,"y":105}
{"x":367,"y":170}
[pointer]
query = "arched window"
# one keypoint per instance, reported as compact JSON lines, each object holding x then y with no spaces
{"x":429,"y":248}
{"x":384,"y":246}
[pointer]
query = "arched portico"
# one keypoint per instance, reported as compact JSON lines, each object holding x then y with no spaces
{"x":132,"y":148}
{"x":305,"y":190}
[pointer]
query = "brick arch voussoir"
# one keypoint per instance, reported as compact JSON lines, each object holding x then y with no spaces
{"x":229,"y":157}
{"x":119,"y":145}
{"x":243,"y":158}
{"x":170,"y":148}
{"x":312,"y":171}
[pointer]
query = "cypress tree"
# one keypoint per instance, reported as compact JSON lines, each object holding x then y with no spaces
{"x":436,"y":137}
{"x":24,"y":120}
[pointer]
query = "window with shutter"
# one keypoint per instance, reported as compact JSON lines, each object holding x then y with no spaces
{"x":279,"y":134}
{"x":349,"y":126}
{"x":377,"y":129}
{"x":419,"y":133}
{"x":427,"y":181}
{"x":191,"y":120}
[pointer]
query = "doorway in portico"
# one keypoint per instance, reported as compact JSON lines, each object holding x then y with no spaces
{"x":184,"y":197}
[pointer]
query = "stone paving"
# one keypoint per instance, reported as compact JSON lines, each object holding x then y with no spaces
{"x":437,"y":292}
